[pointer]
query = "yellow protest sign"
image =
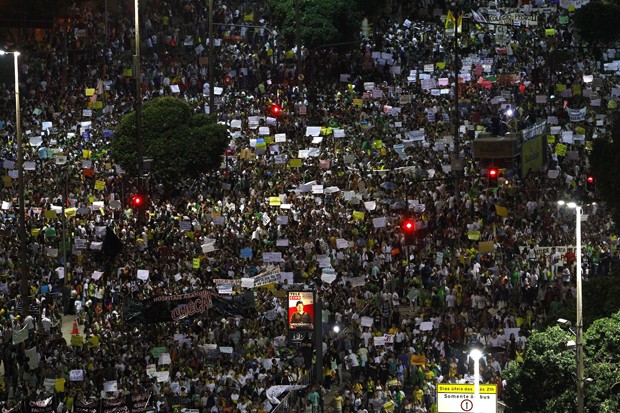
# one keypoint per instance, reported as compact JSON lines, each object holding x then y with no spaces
{"x":70,"y":212}
{"x":295,"y":163}
{"x":485,"y":247}
{"x":98,"y":105}
{"x":248,"y":17}
{"x":326,"y":131}
{"x":89,"y":92}
{"x":473,"y":235}
{"x":560,"y":149}
{"x":358,"y":215}
{"x":576,"y":89}
{"x":128,"y":72}
{"x":86,"y":154}
{"x":501,"y":211}
{"x":440,"y":65}
{"x":189,"y":234}
{"x":77,"y":340}
{"x":99,"y":185}
{"x":357,"y":102}
{"x":93,"y":341}
{"x":196,"y":263}
{"x":417,"y":360}
{"x":550,"y":32}
{"x":588,"y":145}
{"x":35,"y":232}
{"x":274,"y":201}
{"x":550,"y":139}
{"x":377,"y":144}
{"x":50,"y":214}
{"x":560,"y":87}
{"x":59,"y":385}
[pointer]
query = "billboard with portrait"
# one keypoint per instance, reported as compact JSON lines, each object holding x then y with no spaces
{"x":301,"y":310}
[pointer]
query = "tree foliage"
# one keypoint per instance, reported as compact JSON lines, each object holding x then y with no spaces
{"x":545,"y":382}
{"x":605,"y":166}
{"x":597,"y":22}
{"x":181,"y":144}
{"x":321,"y":21}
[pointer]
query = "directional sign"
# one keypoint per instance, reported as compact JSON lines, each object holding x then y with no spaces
{"x":460,"y":398}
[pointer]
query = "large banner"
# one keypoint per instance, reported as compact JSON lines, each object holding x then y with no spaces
{"x":531,"y":155}
{"x":301,"y":310}
{"x":166,"y":308}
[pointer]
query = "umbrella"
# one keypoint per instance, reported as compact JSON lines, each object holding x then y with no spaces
{"x":388,"y":185}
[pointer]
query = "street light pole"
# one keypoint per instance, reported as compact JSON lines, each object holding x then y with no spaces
{"x":21,"y":213}
{"x":579,"y":335}
{"x":578,"y":284}
{"x":476,"y":355}
{"x":138,"y":70}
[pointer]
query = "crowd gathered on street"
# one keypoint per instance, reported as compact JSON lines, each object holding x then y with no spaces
{"x":310,"y":198}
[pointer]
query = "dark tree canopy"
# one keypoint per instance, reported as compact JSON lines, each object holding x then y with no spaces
{"x":181,"y":144}
{"x":598,"y":22}
{"x":321,"y":21}
{"x":545,"y":382}
{"x":605,"y":166}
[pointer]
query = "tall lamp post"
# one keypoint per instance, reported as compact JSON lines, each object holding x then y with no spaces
{"x":21,"y":224}
{"x":476,"y":355}
{"x":579,"y":332}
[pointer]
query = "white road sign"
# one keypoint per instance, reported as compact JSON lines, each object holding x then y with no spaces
{"x":459,"y":398}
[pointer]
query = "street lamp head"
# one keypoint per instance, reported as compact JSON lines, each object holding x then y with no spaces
{"x":3,"y":52}
{"x":475,"y":354}
{"x":563,"y":322}
{"x":572,"y":205}
{"x":561,"y":202}
{"x":336,"y":329}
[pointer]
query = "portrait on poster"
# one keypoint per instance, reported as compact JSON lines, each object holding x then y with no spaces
{"x":301,"y":310}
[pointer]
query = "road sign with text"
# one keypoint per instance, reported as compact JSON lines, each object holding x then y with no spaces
{"x":460,"y":398}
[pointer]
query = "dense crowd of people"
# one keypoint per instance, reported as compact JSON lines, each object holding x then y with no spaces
{"x":315,"y":194}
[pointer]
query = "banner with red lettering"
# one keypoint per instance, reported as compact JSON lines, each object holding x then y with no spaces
{"x":165,"y":308}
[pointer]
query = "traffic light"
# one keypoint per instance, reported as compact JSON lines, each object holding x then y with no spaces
{"x":275,"y":110}
{"x":408,"y":231}
{"x":137,"y":201}
{"x":590,"y":183}
{"x":492,"y":175}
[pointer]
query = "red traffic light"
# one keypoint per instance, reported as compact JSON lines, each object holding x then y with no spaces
{"x":137,"y":201}
{"x":493,"y":173}
{"x":590,"y":179}
{"x":276,"y":110}
{"x":409,"y":226}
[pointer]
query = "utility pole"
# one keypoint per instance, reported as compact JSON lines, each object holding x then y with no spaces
{"x":298,"y":37}
{"x":211,"y":57}
{"x":138,"y":103}
{"x":457,"y":146}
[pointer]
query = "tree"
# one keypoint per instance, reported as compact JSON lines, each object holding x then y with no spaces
{"x":597,"y":22}
{"x":605,"y":166}
{"x":321,"y":21}
{"x":181,"y":144}
{"x":545,"y":382}
{"x":542,"y":384}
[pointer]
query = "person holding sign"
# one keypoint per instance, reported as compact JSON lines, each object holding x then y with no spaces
{"x":300,"y":317}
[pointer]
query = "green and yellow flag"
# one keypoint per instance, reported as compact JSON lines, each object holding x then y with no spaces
{"x":450,"y":21}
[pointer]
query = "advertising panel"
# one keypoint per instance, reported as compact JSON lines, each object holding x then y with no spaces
{"x":301,"y":310}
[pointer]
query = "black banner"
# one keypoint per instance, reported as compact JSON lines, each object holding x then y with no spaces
{"x":114,"y":405}
{"x":83,"y":405}
{"x":140,"y":403}
{"x":18,"y":408}
{"x":177,"y":307}
{"x":41,"y":406}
